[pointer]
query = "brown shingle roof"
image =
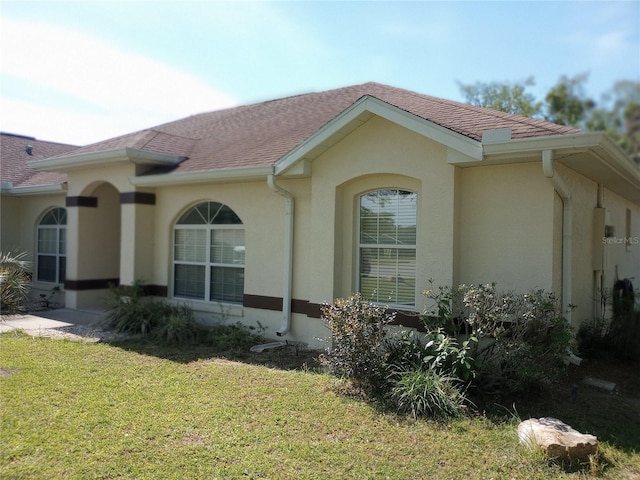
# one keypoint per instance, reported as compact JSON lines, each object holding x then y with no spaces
{"x":14,"y":158}
{"x":261,"y":133}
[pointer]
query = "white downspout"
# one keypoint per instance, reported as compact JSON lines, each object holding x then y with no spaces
{"x":565,"y":194}
{"x":288,"y":254}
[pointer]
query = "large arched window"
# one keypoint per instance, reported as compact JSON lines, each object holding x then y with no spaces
{"x":52,"y":246}
{"x":208,"y":254}
{"x":387,"y":247}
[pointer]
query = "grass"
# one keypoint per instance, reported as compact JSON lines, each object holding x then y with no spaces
{"x":133,"y":410}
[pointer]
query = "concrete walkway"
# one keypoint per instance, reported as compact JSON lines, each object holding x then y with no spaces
{"x":57,"y":319}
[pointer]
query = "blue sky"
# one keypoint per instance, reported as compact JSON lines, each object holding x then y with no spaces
{"x":82,"y":71}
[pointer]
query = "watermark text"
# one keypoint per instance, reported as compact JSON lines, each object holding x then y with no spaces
{"x":621,"y":240}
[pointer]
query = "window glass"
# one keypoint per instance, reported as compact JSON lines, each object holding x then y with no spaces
{"x":189,"y":281}
{"x":52,"y":246}
{"x":190,"y":245}
{"x":209,"y":249}
{"x":387,"y":270}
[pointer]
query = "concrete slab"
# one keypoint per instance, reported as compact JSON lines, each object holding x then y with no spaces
{"x":600,"y":384}
{"x":51,"y":319}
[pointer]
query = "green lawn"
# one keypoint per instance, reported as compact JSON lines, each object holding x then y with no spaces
{"x":82,"y":410}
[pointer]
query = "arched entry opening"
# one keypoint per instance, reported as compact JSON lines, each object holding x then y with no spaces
{"x":93,"y":257}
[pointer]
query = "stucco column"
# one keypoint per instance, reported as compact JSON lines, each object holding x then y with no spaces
{"x":73,"y":251}
{"x":137,"y":245}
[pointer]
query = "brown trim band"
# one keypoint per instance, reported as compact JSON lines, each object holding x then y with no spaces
{"x":313,"y":310}
{"x":139,"y":198}
{"x":91,"y":202}
{"x":94,"y":284}
{"x":155,"y":290}
{"x":262,"y":302}
{"x":275,"y":303}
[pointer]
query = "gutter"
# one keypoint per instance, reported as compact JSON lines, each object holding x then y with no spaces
{"x":288,"y":254}
{"x":7,"y":188}
{"x":561,"y":187}
{"x":221,"y":175}
{"x":101,"y":157}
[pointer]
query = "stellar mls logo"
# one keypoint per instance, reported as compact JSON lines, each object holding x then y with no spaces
{"x":621,"y":240}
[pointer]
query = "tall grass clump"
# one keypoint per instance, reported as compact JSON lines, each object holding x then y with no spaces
{"x":129,"y":310}
{"x":426,"y":393}
{"x":15,"y":280}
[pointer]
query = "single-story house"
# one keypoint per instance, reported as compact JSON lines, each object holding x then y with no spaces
{"x":266,"y":211}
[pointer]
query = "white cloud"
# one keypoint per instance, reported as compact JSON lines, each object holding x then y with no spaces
{"x":117,"y":85}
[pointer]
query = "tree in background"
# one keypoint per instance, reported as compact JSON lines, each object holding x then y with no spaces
{"x":566,"y":103}
{"x":619,"y":116}
{"x":505,"y":97}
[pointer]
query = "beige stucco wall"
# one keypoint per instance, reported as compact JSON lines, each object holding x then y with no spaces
{"x":113,"y":241}
{"x":590,"y":280}
{"x":20,"y":218}
{"x":622,"y":251}
{"x":584,"y":195}
{"x":377,"y":155}
{"x":11,"y":228}
{"x":325,"y":221}
{"x":506,"y":227}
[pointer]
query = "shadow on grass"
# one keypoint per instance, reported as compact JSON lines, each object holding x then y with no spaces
{"x":612,"y":417}
{"x":287,"y":357}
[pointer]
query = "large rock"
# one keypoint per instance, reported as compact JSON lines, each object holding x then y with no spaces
{"x":559,"y":440}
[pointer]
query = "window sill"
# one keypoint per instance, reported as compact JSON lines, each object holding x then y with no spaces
{"x":216,"y":308}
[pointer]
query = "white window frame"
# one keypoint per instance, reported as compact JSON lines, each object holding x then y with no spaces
{"x":396,"y":247}
{"x":58,"y":255}
{"x":207,"y":263}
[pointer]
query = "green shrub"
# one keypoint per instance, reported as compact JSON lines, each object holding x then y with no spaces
{"x":231,"y":338}
{"x":518,"y":341}
{"x":623,"y":337}
{"x":14,"y":281}
{"x":591,"y":338}
{"x":624,"y":330}
{"x":435,"y":351}
{"x":358,"y":338}
{"x":527,"y":335}
{"x":176,"y":326}
{"x":425,"y":393}
{"x":129,"y":311}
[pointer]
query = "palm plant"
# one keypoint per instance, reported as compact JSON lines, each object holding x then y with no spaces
{"x":15,"y":280}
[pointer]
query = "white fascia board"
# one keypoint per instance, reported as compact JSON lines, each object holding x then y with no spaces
{"x":222,"y":175}
{"x":570,"y":142}
{"x":613,"y":156}
{"x":110,"y":157}
{"x":51,"y":189}
{"x":619,"y":161}
{"x":372,"y":105}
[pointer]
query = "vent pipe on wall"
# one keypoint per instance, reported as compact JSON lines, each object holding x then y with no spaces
{"x":288,"y":255}
{"x":561,"y":187}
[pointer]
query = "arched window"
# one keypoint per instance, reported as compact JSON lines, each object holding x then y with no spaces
{"x":208,"y":254}
{"x":52,"y":246}
{"x":387,"y":247}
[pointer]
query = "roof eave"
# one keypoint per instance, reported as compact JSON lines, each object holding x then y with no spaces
{"x":221,"y":175}
{"x":360,"y":112}
{"x":578,"y":151}
{"x":7,"y":188}
{"x":102,"y":157}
